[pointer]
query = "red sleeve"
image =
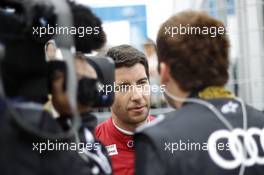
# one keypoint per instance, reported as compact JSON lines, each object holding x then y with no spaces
{"x":101,"y":131}
{"x":98,"y":131}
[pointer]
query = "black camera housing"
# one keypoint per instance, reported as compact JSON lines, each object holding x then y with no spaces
{"x":25,"y":71}
{"x":90,"y":92}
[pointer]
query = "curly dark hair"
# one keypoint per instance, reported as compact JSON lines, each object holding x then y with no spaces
{"x":196,"y":60}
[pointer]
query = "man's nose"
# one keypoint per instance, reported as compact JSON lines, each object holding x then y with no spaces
{"x":137,"y":94}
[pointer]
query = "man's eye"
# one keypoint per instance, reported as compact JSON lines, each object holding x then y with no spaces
{"x":117,"y":88}
{"x":143,"y":82}
{"x":122,"y":88}
{"x":125,"y":87}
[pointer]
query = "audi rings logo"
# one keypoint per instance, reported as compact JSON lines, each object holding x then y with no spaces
{"x":244,"y":152}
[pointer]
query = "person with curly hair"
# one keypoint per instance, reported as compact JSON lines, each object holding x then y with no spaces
{"x":193,"y":64}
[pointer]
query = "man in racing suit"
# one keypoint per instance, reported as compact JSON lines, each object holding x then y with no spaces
{"x":130,"y":108}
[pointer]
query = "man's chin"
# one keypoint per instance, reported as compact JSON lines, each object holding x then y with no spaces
{"x":137,"y":119}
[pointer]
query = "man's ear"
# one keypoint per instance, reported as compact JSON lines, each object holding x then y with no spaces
{"x":164,"y":73}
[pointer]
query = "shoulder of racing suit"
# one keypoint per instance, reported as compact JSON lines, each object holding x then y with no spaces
{"x":193,"y":124}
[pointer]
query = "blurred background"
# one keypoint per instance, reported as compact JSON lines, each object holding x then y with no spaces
{"x":136,"y":22}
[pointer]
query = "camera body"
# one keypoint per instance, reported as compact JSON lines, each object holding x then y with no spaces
{"x":25,"y":71}
{"x":90,"y":91}
{"x":105,"y":69}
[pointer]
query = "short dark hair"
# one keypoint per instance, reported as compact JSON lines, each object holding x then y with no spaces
{"x":127,"y":56}
{"x":196,"y":60}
